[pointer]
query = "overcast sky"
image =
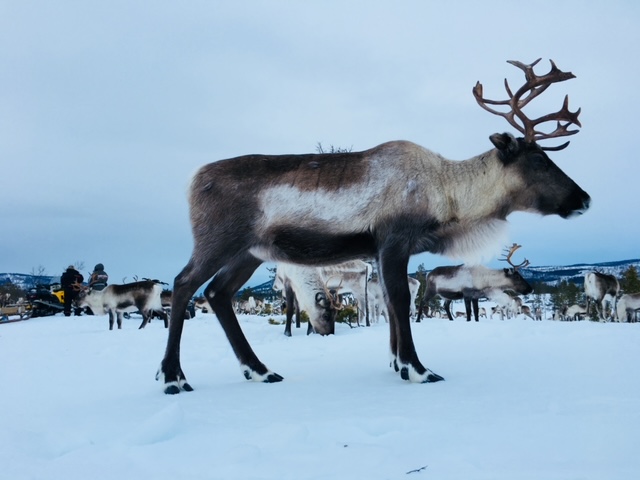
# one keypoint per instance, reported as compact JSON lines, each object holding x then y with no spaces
{"x":108,"y":108}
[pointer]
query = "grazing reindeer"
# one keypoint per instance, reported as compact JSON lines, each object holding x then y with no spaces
{"x":309,"y":289}
{"x":472,"y":283}
{"x":602,"y":288}
{"x":628,"y":307}
{"x":350,"y":277}
{"x":387,"y":203}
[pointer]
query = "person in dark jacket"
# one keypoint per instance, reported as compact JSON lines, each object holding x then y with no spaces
{"x":69,"y":281}
{"x":99,"y":278}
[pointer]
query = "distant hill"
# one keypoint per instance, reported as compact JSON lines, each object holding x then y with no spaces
{"x":26,"y":281}
{"x":575,"y":273}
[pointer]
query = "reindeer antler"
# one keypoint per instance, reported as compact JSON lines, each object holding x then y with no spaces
{"x":77,"y":286}
{"x":534,"y":86}
{"x":509,"y":253}
{"x":333,"y":300}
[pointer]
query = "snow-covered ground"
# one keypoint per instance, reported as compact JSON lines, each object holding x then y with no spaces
{"x":521,"y":400}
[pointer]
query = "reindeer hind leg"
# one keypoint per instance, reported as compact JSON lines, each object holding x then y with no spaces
{"x":192,"y":276}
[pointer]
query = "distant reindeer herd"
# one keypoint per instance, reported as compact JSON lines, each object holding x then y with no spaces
{"x":321,"y":293}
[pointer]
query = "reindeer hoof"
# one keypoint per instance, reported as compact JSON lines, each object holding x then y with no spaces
{"x":409,"y":373}
{"x":173,"y":387}
{"x":433,"y":377}
{"x":273,"y":378}
{"x":267,"y":377}
{"x":171,"y":390}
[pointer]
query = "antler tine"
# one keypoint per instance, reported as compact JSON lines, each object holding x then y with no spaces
{"x":333,"y":301}
{"x":527,"y":69}
{"x":534,"y":85}
{"x":565,"y":115}
{"x":509,"y":253}
{"x":509,"y":116}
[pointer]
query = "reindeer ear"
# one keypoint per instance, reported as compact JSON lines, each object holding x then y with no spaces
{"x":506,"y":144}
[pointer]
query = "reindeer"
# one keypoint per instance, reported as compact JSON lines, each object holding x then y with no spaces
{"x":387,"y":204}
{"x":603,"y":289}
{"x":538,"y":314}
{"x":307,"y":289}
{"x":574,"y":312}
{"x":283,"y":284}
{"x":351,"y":277}
{"x":250,"y":306}
{"x":526,"y":311}
{"x":514,"y":307}
{"x":144,"y":296}
{"x":377,"y":305}
{"x":471,"y":283}
{"x":200,"y":303}
{"x":628,"y":307}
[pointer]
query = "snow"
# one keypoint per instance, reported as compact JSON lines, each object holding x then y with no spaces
{"x":522,"y":400}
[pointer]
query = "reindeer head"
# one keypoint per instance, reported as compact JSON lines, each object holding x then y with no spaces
{"x":519,"y":284}
{"x":544,"y":187}
{"x":329,"y":302}
{"x":90,"y":298}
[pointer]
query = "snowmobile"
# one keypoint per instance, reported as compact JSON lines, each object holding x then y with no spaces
{"x":44,"y":301}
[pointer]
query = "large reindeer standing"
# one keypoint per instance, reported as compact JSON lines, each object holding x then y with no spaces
{"x":387,"y":203}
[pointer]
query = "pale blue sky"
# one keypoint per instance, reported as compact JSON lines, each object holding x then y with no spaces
{"x":107,"y":109}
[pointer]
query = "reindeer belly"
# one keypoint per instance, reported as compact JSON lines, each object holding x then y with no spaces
{"x":126,"y":306}
{"x":451,"y":295}
{"x":310,"y":246}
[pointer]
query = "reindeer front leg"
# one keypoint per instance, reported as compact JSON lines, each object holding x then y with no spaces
{"x":111,"y":319}
{"x":393,"y":272}
{"x":146,"y":317}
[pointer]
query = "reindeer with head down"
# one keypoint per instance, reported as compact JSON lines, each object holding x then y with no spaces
{"x":386,"y":203}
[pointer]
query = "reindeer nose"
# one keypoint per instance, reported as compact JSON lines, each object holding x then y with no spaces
{"x":586,"y":202}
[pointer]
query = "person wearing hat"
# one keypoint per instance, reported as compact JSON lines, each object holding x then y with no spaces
{"x":99,"y":278}
{"x":69,"y":281}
